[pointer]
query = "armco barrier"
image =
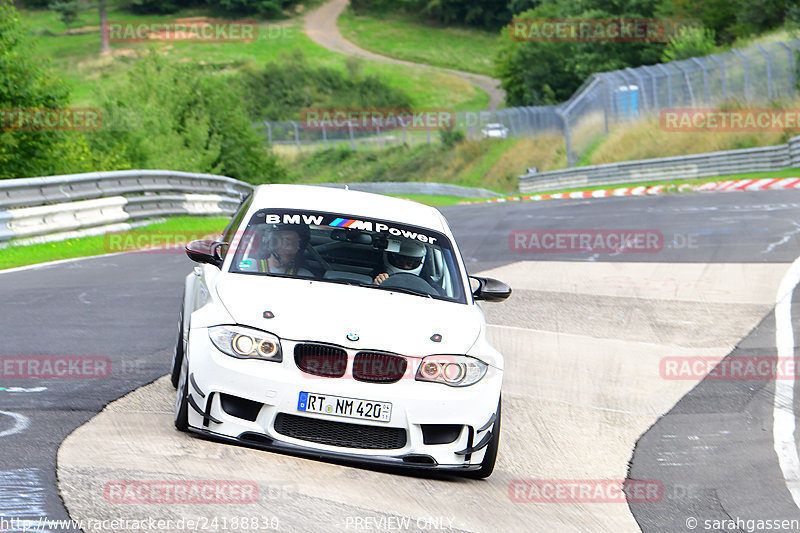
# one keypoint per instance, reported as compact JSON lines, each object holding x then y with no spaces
{"x":82,"y":204}
{"x":52,"y":189}
{"x":59,"y":207}
{"x":763,"y":159}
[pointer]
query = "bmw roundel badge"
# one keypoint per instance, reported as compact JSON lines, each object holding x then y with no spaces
{"x":352,"y":337}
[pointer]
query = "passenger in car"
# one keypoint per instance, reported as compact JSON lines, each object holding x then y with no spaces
{"x":283,"y":250}
{"x":406,"y":260}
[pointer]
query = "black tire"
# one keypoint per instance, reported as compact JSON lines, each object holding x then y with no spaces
{"x":489,"y":459}
{"x":182,"y":398}
{"x":177,"y":357}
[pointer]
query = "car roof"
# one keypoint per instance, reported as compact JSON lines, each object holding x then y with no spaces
{"x":348,"y":202}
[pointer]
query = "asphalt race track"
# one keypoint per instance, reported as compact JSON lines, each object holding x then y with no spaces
{"x":586,"y":395}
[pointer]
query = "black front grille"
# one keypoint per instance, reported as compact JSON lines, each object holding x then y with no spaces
{"x":340,"y":433}
{"x":321,"y":360}
{"x":379,"y":367}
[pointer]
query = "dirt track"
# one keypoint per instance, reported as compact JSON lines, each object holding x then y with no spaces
{"x":320,"y":26}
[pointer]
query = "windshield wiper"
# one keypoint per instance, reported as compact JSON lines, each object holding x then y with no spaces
{"x":401,"y":289}
{"x":342,"y":281}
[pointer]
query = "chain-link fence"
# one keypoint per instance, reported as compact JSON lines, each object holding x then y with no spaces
{"x":752,"y":76}
{"x":511,"y":122}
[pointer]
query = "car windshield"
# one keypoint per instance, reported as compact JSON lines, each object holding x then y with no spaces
{"x":339,"y":248}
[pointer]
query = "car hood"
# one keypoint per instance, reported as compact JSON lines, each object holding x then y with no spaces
{"x":329,"y":312}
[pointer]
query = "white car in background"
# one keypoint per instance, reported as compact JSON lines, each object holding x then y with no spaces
{"x":342,"y":325}
{"x":495,"y":130}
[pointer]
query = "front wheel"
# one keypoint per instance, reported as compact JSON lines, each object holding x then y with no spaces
{"x":182,"y":398}
{"x":177,"y":357}
{"x":490,"y":457}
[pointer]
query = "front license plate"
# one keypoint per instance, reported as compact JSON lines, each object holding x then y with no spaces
{"x":347,"y":407}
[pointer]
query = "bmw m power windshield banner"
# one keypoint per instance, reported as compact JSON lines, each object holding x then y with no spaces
{"x":310,"y":218}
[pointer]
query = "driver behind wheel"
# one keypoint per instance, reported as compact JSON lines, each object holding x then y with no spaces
{"x":407,"y":259}
{"x":282,"y":246}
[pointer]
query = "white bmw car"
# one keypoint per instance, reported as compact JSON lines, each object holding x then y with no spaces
{"x":340,"y":325}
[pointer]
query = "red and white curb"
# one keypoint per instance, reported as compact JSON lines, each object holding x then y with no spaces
{"x":713,"y":186}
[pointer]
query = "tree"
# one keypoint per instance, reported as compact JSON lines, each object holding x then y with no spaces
{"x":67,"y":11}
{"x":543,"y":73}
{"x":719,"y":16}
{"x":25,"y":82}
{"x":165,"y":114}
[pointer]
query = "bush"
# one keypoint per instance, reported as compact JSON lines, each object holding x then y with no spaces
{"x":689,"y":42}
{"x":179,"y":117}
{"x":264,"y":8}
{"x":281,"y":90}
{"x":450,"y":138}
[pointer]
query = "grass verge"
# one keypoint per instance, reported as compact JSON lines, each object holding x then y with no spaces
{"x":173,"y":230}
{"x":787,"y":173}
{"x":492,"y":164}
{"x":407,"y":37}
{"x":431,"y":199}
{"x":76,"y":57}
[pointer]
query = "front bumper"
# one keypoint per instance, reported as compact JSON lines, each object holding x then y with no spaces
{"x":263,"y":391}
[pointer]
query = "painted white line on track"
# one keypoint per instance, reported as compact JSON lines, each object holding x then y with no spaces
{"x":588,"y":406}
{"x":783,"y":403}
{"x":76,"y":259}
{"x":62,"y":261}
{"x":22,"y":501}
{"x":549,"y":332}
{"x":21,"y":423}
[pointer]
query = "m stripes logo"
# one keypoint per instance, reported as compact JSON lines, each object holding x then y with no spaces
{"x":351,"y":224}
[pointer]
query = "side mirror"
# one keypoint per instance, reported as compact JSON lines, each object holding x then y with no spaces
{"x":490,"y":289}
{"x":206,"y":251}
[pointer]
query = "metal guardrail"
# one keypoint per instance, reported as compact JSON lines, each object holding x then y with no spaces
{"x":52,"y":189}
{"x":57,"y":207}
{"x":61,"y":207}
{"x":764,"y":159}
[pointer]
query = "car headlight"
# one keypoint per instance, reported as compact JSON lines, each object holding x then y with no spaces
{"x":453,"y":370}
{"x":246,"y":343}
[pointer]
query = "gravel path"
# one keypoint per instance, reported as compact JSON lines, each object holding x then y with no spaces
{"x":320,"y":26}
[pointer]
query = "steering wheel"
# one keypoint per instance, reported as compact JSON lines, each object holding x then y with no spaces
{"x":403,"y":280}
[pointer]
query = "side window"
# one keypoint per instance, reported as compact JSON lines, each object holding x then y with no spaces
{"x":230,"y":231}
